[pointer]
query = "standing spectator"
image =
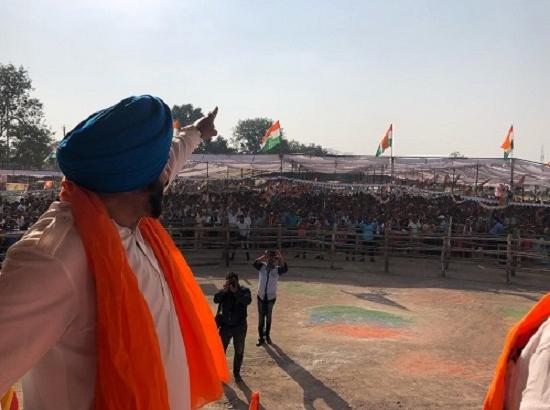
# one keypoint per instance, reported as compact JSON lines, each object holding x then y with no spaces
{"x":233,"y":301}
{"x":498,"y":228}
{"x":270,"y":266}
{"x":414,"y":227}
{"x":368,"y":229}
{"x":244,"y":236}
{"x":199,"y":233}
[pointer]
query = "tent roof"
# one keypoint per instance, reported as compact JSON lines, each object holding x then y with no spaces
{"x":495,"y":170}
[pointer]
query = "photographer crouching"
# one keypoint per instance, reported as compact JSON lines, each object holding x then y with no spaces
{"x":232,"y":302}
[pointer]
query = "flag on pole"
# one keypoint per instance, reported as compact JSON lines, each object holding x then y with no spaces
{"x":272,"y":137}
{"x":386,"y":141}
{"x":508,"y":144}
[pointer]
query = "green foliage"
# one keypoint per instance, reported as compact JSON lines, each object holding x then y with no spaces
{"x":23,"y":134}
{"x":218,"y":145}
{"x":186,"y":114}
{"x":295,"y":147}
{"x":248,"y":133}
{"x":31,"y":146}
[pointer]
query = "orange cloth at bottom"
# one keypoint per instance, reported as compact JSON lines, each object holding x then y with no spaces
{"x":517,"y":338}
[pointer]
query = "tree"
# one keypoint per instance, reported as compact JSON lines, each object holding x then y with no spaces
{"x":21,"y":117}
{"x":456,"y":154}
{"x":217,"y":145}
{"x":186,"y":114}
{"x":295,"y":147}
{"x":32,"y":145}
{"x":248,"y":133}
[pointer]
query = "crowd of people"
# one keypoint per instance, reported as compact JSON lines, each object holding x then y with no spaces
{"x":247,"y":204}
{"x":17,"y":213}
{"x":307,"y":206}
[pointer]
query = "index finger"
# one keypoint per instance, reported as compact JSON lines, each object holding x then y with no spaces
{"x":212,"y":114}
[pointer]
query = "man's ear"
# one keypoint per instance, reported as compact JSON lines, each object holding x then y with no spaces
{"x":164,"y":177}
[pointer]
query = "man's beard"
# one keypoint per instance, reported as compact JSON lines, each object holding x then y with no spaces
{"x":156,"y":196}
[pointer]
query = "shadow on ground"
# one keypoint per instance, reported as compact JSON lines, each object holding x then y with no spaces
{"x":314,"y":389}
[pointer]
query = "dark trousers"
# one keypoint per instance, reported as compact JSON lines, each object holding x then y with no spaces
{"x":244,"y":244}
{"x":370,"y":247}
{"x":238,"y":333}
{"x":265,"y":309}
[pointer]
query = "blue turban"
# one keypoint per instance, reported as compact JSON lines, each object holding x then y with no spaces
{"x":121,"y":148}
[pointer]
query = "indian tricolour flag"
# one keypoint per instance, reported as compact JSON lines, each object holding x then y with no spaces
{"x":508,"y":144}
{"x":272,"y":137}
{"x":386,"y":141}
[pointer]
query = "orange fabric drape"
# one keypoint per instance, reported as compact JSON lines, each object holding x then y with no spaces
{"x":9,"y":400}
{"x":130,"y":372}
{"x":517,"y":338}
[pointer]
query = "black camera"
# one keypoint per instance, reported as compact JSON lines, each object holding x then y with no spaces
{"x":232,"y":279}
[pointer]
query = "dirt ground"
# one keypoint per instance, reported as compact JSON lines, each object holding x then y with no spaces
{"x":358,"y":338}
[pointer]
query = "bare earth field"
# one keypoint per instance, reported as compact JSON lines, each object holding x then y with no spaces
{"x":357,"y":338}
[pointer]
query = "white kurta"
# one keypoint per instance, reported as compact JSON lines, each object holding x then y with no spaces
{"x":47,"y":309}
{"x":528,"y":381}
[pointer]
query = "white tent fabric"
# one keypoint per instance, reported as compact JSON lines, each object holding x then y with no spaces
{"x":490,"y":171}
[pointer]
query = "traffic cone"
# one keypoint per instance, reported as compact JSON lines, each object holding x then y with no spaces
{"x":254,"y":401}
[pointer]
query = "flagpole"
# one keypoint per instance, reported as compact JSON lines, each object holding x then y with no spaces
{"x":512,"y":162}
{"x":391,"y":154}
{"x":477,"y":177}
{"x":281,"y":155}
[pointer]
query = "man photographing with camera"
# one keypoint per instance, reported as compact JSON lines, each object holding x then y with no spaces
{"x":232,"y":302}
{"x":270,"y":266}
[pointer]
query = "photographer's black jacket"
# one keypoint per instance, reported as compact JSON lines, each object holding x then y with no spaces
{"x":234,"y":306}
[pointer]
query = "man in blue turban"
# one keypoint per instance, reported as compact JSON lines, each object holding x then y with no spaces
{"x":117,"y":163}
{"x":119,"y":149}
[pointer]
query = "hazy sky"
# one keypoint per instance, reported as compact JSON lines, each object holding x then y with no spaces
{"x":450,"y":75}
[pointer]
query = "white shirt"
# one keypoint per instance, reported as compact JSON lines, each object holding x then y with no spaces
{"x":244,"y":228}
{"x":528,"y":379}
{"x":47,"y":309}
{"x":267,"y":281}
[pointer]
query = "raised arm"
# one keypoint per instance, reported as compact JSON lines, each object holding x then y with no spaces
{"x":243,"y":296}
{"x":283,"y":267}
{"x":257,"y":264}
{"x":186,"y":142}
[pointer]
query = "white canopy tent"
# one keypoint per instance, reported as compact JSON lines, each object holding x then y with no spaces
{"x":490,"y":171}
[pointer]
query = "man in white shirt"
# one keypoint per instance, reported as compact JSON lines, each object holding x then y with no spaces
{"x":47,"y":292}
{"x":270,"y":266}
{"x":244,"y":236}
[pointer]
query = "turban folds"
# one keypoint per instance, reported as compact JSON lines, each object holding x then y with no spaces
{"x":121,"y":148}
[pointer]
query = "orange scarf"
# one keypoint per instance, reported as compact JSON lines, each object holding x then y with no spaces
{"x":130,"y":372}
{"x":517,"y":338}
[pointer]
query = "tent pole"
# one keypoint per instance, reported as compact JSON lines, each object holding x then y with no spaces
{"x":477,"y":176}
